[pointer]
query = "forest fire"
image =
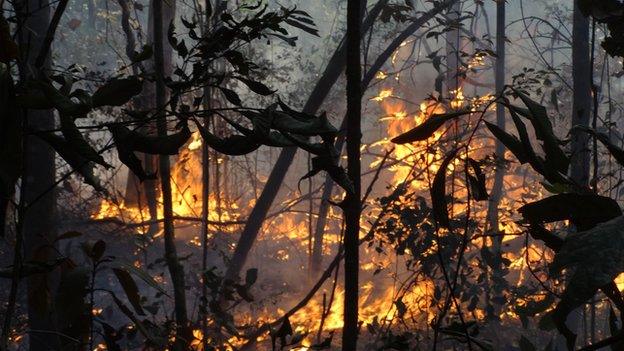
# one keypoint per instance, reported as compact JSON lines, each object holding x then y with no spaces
{"x":236,"y":176}
{"x":186,"y":190}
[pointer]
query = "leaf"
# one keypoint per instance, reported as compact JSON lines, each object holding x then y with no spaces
{"x":153,"y":145}
{"x":427,"y":128}
{"x":8,"y":48}
{"x":130,"y":288}
{"x":77,"y":162}
{"x":511,"y":142}
{"x":595,"y":257}
{"x":158,"y":342}
{"x":129,"y":158}
{"x":181,"y":49}
{"x":401,"y":308}
{"x":336,"y":173}
{"x":77,"y":141}
{"x":438,"y":193}
{"x":243,"y":291}
{"x":477,"y":182}
{"x":614,"y":150}
{"x":139,"y":273}
{"x":234,"y":145}
{"x":256,"y":87}
{"x":555,"y":157}
{"x":524,"y":135}
{"x":301,"y":116}
{"x":60,"y":101}
{"x":145,"y":54}
{"x":94,"y":249}
{"x":251,"y":276}
{"x":282,"y":332}
{"x":302,"y":26}
{"x":585,"y":211}
{"x":117,"y":92}
{"x":128,"y":141}
{"x":289,"y":124}
{"x":173,"y":41}
{"x":231,"y":96}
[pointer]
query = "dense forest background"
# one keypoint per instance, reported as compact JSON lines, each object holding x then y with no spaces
{"x":311,"y":175}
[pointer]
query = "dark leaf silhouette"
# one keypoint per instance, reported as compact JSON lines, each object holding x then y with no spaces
{"x":290,"y":124}
{"x":438,"y":193}
{"x":231,"y":96}
{"x":77,"y":141}
{"x":337,"y":173}
{"x":130,"y":288}
{"x":251,"y":276}
{"x":511,"y":142}
{"x":537,"y":114}
{"x":117,"y":92}
{"x":256,"y":87}
{"x":476,"y":181}
{"x":584,"y":210}
{"x":282,"y":332}
{"x":153,"y":145}
{"x":145,"y":53}
{"x":77,"y":162}
{"x":614,"y":150}
{"x":234,"y":145}
{"x":427,"y":128}
{"x":8,"y":49}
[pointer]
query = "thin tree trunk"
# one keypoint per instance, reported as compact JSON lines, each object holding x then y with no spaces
{"x":205,"y":152}
{"x":145,"y":101}
{"x":581,"y":111}
{"x":452,"y":50}
{"x":328,"y":185}
{"x":176,"y":270}
{"x":38,"y":227}
{"x":92,"y":7}
{"x":499,"y":173}
{"x":352,"y":203}
{"x":581,"y":105}
{"x":332,"y":72}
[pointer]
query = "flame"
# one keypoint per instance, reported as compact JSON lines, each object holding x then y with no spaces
{"x":457,"y":99}
{"x":186,"y":188}
{"x":385,"y":93}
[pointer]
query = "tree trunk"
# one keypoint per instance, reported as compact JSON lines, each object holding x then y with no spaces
{"x":499,"y":173}
{"x":452,"y":50}
{"x":581,"y":105}
{"x":38,"y":229}
{"x":176,"y":270}
{"x":581,"y":111}
{"x":352,"y":203}
{"x":332,"y":72}
{"x":328,"y":185}
{"x":145,"y":101}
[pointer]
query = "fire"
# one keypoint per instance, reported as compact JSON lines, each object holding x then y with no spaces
{"x":457,"y":99}
{"x":186,"y":188}
{"x":385,"y":93}
{"x":399,"y":121}
{"x":377,"y":306}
